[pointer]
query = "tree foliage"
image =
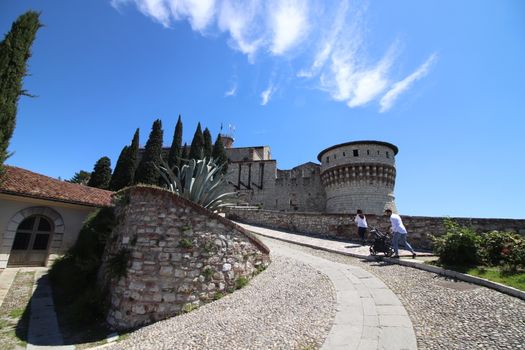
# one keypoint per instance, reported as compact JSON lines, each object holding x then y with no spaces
{"x":176,"y":146}
{"x":101,"y":174}
{"x":208,"y":144}
{"x":147,"y":172}
{"x":15,"y":50}
{"x":81,"y":177}
{"x":219,"y":154}
{"x":197,"y":144}
{"x":126,"y":165}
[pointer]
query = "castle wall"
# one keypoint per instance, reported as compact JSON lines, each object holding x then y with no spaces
{"x":176,"y":254}
{"x":342,"y":226}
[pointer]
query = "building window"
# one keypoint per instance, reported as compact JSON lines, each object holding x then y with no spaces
{"x":335,"y":156}
{"x":344,"y":154}
{"x":367,"y":152}
{"x":356,"y":153}
{"x":378,"y":153}
{"x":387,"y":154}
{"x":328,"y":159}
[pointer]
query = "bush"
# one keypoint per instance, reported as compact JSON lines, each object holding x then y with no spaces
{"x":496,"y":246}
{"x":514,"y":257}
{"x":74,"y":276}
{"x":459,"y":246}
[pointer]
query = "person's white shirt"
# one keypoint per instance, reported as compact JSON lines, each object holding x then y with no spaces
{"x":361,"y":222}
{"x":397,"y":224}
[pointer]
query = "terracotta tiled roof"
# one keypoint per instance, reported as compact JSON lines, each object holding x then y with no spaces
{"x":22,"y":182}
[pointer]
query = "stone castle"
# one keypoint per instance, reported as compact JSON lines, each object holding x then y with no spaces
{"x":352,"y":175}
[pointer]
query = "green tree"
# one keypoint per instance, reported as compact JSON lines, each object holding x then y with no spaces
{"x":184,"y":154}
{"x":147,"y":172}
{"x":15,"y":50}
{"x":176,"y":145}
{"x":219,"y":154}
{"x":126,"y":165}
{"x":101,"y":174}
{"x":208,"y":144}
{"x":81,"y":177}
{"x":197,"y":144}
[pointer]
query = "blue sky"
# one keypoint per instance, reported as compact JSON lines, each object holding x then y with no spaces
{"x":442,"y":80}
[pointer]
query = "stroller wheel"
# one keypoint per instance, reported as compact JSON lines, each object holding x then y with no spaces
{"x":389,"y":252}
{"x":372,"y":251}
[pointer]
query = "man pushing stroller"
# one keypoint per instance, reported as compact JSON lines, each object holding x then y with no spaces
{"x":400,"y":234}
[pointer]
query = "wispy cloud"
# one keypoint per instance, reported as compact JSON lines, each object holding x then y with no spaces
{"x":331,"y":39}
{"x":399,"y":87}
{"x":232,"y":91}
{"x":266,"y":95}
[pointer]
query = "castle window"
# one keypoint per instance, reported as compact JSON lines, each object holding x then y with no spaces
{"x":367,"y":152}
{"x":335,"y":156}
{"x":328,"y":159}
{"x":344,"y":154}
{"x":387,"y":154}
{"x":356,"y":153}
{"x":378,"y":153}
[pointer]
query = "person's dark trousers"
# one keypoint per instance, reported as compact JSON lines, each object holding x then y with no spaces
{"x":361,"y":231}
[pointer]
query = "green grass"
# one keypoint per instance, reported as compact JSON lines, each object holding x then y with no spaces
{"x":516,"y":280}
{"x":491,"y":273}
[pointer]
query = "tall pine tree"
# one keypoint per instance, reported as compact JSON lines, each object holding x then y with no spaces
{"x":126,"y":165}
{"x":15,"y":50}
{"x":147,"y":172}
{"x":197,"y":144}
{"x":81,"y":177}
{"x":176,"y":145}
{"x":208,"y":144}
{"x":101,"y":174}
{"x":184,"y":154}
{"x":219,"y":154}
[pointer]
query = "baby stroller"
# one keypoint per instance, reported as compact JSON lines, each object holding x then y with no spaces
{"x":382,"y":243}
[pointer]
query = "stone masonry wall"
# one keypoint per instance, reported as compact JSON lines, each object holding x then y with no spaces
{"x":342,"y":226}
{"x":180,"y":256}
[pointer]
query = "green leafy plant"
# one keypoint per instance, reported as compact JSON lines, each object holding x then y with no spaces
{"x":218,"y":295}
{"x":208,"y":272}
{"x":496,"y":246}
{"x":185,"y":244}
{"x":199,"y":181}
{"x":241,"y":282}
{"x":514,"y":257}
{"x":118,"y":263}
{"x":459,"y":246}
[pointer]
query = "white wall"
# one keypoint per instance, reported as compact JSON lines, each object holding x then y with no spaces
{"x":72,"y":216}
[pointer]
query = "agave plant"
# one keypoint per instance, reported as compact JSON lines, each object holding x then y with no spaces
{"x":199,"y":181}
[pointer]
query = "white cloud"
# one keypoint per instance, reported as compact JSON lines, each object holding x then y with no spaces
{"x":232,"y":91}
{"x":331,"y":37}
{"x":289,"y":24}
{"x":267,"y":94}
{"x":387,"y":101}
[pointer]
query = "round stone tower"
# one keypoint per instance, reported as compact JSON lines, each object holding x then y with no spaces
{"x":359,"y":175}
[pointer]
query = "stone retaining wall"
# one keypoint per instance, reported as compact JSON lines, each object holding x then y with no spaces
{"x":176,"y":254}
{"x":342,"y":226}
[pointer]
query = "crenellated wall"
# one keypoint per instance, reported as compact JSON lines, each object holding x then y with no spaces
{"x":177,"y":256}
{"x":342,"y":226}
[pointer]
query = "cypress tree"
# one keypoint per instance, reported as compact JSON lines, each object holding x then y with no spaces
{"x":184,"y":154}
{"x":197,"y":144}
{"x":126,"y":165}
{"x":176,"y":145}
{"x":208,"y":144}
{"x":147,"y":172}
{"x":81,"y":177}
{"x":101,"y":174}
{"x":15,"y":50}
{"x":219,"y":154}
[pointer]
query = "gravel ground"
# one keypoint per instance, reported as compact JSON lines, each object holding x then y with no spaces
{"x":12,"y":310}
{"x":288,"y":306}
{"x":447,"y":314}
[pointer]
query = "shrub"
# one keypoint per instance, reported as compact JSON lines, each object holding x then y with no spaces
{"x":459,"y":246}
{"x":495,"y":246}
{"x":514,"y":257}
{"x":241,"y":282}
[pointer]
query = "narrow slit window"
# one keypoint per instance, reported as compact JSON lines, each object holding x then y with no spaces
{"x":387,"y":154}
